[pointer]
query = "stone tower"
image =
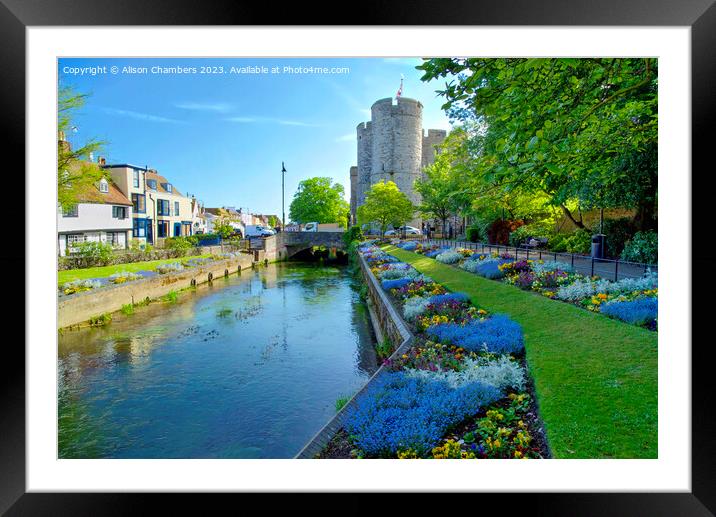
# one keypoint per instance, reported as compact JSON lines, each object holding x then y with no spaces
{"x":393,"y":147}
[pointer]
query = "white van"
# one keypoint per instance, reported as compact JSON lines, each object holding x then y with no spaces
{"x":310,"y":227}
{"x":256,"y":230}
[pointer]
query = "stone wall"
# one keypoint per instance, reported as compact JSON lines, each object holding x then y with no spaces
{"x":392,"y":325}
{"x":80,"y":307}
{"x":393,"y":147}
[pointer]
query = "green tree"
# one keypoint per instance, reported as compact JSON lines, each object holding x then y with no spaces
{"x":317,"y":200}
{"x":385,"y":205}
{"x":223,"y":228}
{"x":75,"y":174}
{"x":557,"y":127}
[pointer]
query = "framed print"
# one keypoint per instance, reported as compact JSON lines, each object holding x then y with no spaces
{"x":435,"y":237}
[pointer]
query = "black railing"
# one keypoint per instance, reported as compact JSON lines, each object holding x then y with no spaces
{"x":612,"y":269}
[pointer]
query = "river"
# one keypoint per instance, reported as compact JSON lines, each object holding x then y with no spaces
{"x":247,"y":367}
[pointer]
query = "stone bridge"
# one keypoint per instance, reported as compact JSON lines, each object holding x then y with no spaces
{"x":286,"y":244}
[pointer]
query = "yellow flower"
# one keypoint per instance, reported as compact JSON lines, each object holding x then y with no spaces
{"x":518,"y":454}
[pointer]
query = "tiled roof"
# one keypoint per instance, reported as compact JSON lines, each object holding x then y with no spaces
{"x":161,"y":179}
{"x":92,"y":194}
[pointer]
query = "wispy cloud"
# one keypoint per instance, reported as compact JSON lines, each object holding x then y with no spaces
{"x":141,"y":116}
{"x":350,"y":137}
{"x":269,"y":120}
{"x":220,"y":107}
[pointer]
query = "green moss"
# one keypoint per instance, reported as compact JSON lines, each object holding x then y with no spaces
{"x":595,"y":378}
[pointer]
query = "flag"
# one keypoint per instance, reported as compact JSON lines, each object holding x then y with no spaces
{"x":400,"y":90}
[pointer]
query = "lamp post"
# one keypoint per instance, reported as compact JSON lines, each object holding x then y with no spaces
{"x":283,"y":206}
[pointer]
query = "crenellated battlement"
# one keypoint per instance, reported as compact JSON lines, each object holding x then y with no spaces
{"x":434,"y":133}
{"x":393,"y":146}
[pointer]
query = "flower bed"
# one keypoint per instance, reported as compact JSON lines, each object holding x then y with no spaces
{"x":466,"y":370}
{"x":632,"y":300}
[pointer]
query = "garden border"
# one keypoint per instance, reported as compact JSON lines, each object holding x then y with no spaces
{"x":387,"y":316}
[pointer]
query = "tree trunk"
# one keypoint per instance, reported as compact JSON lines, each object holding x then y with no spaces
{"x":570,"y":216}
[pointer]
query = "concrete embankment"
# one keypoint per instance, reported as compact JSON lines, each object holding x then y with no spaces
{"x":79,"y":308}
{"x":391,"y":325}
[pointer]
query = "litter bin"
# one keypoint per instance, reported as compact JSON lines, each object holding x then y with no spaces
{"x":598,"y":245}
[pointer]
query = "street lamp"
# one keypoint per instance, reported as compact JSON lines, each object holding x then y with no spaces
{"x":283,"y":205}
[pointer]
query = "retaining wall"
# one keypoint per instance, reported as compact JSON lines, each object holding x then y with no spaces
{"x":80,"y":307}
{"x":392,"y":325}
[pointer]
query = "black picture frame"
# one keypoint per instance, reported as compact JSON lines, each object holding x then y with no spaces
{"x":700,"y":15}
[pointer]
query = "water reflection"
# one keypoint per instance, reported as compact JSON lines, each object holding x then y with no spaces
{"x":249,"y":366}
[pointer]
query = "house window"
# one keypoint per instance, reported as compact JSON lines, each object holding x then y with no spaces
{"x":135,"y":178}
{"x":162,"y":228}
{"x":152,"y":184}
{"x":103,"y":186}
{"x":71,"y":211}
{"x":114,"y":238}
{"x":163,"y":207}
{"x":74,"y":238}
{"x":176,"y":207}
{"x":139,"y":228}
{"x":139,"y":201}
{"x":119,"y":212}
{"x":167,"y":187}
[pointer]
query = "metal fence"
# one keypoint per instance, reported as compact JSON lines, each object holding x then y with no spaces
{"x":611,"y":269}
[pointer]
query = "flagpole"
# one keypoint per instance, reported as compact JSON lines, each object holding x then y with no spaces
{"x":283,"y":190}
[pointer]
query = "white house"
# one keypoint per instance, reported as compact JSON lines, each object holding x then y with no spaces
{"x":102,"y":214}
{"x":198,"y":218}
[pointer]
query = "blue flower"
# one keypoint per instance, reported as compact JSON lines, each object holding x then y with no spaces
{"x":639,"y":312}
{"x":498,"y":334}
{"x":398,"y":412}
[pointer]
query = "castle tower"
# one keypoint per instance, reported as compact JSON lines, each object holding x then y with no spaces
{"x":393,"y":147}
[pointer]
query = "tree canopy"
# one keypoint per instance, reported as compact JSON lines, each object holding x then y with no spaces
{"x":317,"y":200}
{"x":75,"y":173}
{"x":385,"y":205}
{"x":570,"y":130}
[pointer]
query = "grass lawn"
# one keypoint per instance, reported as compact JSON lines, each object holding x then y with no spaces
{"x":69,"y":275}
{"x":596,"y":378}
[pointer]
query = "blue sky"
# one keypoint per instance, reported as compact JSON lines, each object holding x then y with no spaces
{"x":222,"y":137}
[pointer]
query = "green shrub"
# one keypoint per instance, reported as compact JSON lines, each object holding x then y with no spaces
{"x":127,"y":309}
{"x":579,"y":242}
{"x":93,"y":252}
{"x":354,"y":233}
{"x":474,"y":234}
{"x":557,"y":243}
{"x":643,"y":247}
{"x":479,"y":230}
{"x":538,"y":229}
{"x":618,"y":232}
{"x":180,"y":246}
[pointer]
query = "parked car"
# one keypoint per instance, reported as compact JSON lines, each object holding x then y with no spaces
{"x":310,"y":227}
{"x":409,"y":230}
{"x":256,"y":230}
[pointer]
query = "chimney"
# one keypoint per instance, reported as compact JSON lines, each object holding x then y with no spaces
{"x":62,"y":142}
